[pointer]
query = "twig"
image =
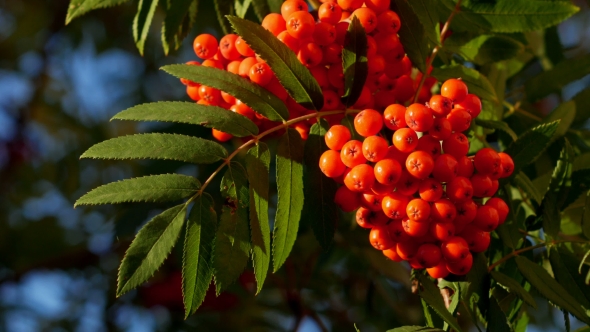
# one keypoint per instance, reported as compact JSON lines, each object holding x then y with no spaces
{"x":435,"y":50}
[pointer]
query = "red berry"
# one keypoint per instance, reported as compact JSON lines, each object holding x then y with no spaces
{"x":387,"y":171}
{"x":443,"y":211}
{"x":456,"y":145}
{"x":419,"y":117}
{"x":394,"y":205}
{"x":429,"y":255}
{"x":331,"y":164}
{"x":430,"y":190}
{"x":459,"y":189}
{"x":420,"y":164}
{"x":455,"y":249}
{"x":500,"y":206}
{"x":445,"y":168}
{"x":487,"y":161}
{"x":368,"y":122}
{"x":478,"y":240}
{"x":441,"y":106}
{"x":486,"y":219}
{"x":337,"y":136}
{"x":439,"y":271}
{"x":352,"y":154}
{"x":405,"y":140}
{"x":418,"y":210}
{"x":454,"y":89}
{"x":347,"y":200}
{"x":380,"y":239}
{"x":360,"y":178}
{"x":461,"y":267}
{"x":507,"y":164}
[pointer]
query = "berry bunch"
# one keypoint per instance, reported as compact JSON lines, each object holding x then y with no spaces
{"x":422,"y":197}
{"x":318,"y":44}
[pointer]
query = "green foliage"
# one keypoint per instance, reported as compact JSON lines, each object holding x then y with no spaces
{"x":431,"y":295}
{"x":412,"y":34}
{"x":531,"y":144}
{"x":552,"y":81}
{"x":476,"y":82}
{"x":80,"y":7}
{"x":513,"y":287}
{"x":143,"y":19}
{"x":483,"y":49}
{"x":180,"y":18}
{"x":354,"y":62}
{"x":414,"y":329}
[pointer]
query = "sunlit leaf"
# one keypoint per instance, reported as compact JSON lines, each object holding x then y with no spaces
{"x":354,"y":62}
{"x":80,"y":7}
{"x":143,"y":21}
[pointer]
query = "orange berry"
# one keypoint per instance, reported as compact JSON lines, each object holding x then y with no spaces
{"x":380,"y":239}
{"x":243,"y":48}
{"x":300,"y":25}
{"x":394,"y":205}
{"x":419,"y":117}
{"x":193,"y":92}
{"x":337,"y":136}
{"x":360,"y":178}
{"x":290,"y":41}
{"x":454,"y":89}
{"x":227,"y":47}
{"x":368,"y":122}
{"x":471,"y":104}
{"x":455,"y":249}
{"x":352,"y":154}
{"x":187,"y":82}
{"x":461,"y":267}
{"x":330,"y":12}
{"x":347,"y":200}
{"x":205,"y":46}
{"x":388,"y":22}
{"x":394,"y":116}
{"x":388,"y":171}
{"x":261,"y":73}
{"x":245,"y":66}
{"x":275,"y":23}
{"x":405,"y":140}
{"x":441,"y":106}
{"x":331,"y":164}
{"x":291,"y":6}
{"x":439,"y":271}
{"x":367,"y":18}
{"x":221,"y":136}
{"x":418,"y":210}
{"x":429,"y":255}
{"x":244,"y":110}
{"x":460,"y":120}
{"x":350,"y":5}
{"x":234,"y":67}
{"x":310,"y":54}
{"x":420,"y":164}
{"x":374,"y":148}
{"x":324,"y":34}
{"x":392,"y":254}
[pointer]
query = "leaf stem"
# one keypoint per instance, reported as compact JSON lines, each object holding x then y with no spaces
{"x":435,"y":50}
{"x":520,"y":251}
{"x":256,"y":138}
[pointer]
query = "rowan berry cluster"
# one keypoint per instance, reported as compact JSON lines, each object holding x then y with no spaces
{"x":318,"y":44}
{"x":421,"y":196}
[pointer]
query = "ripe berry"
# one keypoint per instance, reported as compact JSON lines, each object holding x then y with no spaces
{"x":378,"y":6}
{"x":310,"y":54}
{"x":419,"y":117}
{"x":445,"y":168}
{"x":466,"y":212}
{"x":245,"y":66}
{"x":368,"y":122}
{"x":486,"y":219}
{"x":407,"y":250}
{"x":352,"y":154}
{"x":366,"y":218}
{"x":290,"y":41}
{"x":397,"y":155}
{"x":367,"y":18}
{"x":404,"y":88}
{"x":441,"y":129}
{"x":418,"y":210}
{"x":392,"y":254}
{"x":380,"y":239}
{"x":360,"y":178}
{"x":394,"y":117}
{"x":221,"y":136}
{"x":300,"y":24}
{"x":442,"y":231}
{"x":337,"y":136}
{"x":350,"y":5}
{"x":347,"y":200}
{"x":388,"y":22}
{"x":429,"y":255}
{"x":465,"y":167}
{"x":441,"y":106}
{"x":290,"y":6}
{"x":244,"y":110}
{"x":482,"y":185}
{"x":461,"y":267}
{"x":275,"y":23}
{"x":330,"y":12}
{"x":454,"y":89}
{"x":460,"y":120}
{"x":387,"y":171}
{"x":471,"y":104}
{"x":405,"y":140}
{"x":487,"y":161}
{"x":407,"y":184}
{"x":374,"y":148}
{"x":420,"y":164}
{"x":227,"y":47}
{"x":439,"y":271}
{"x":507,"y":164}
{"x":459,"y":189}
{"x":331,"y":164}
{"x":243,"y":48}
{"x":371,"y":201}
{"x":456,"y":145}
{"x":382,"y":189}
{"x":455,"y":249}
{"x":324,"y":34}
{"x":210,"y":95}
{"x":478,"y":240}
{"x":415,"y":228}
{"x":394,"y":205}
{"x":261,"y":74}
{"x":193,"y":92}
{"x":332,"y":53}
{"x":443,"y":211}
{"x":500,"y":206}
{"x":205,"y":46}
{"x":397,"y":231}
{"x":429,"y":144}
{"x":430,"y":190}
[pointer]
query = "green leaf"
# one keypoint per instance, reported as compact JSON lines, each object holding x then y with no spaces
{"x":582,"y":100}
{"x":550,"y":214}
{"x":562,"y":174}
{"x":552,"y":81}
{"x":476,"y":82}
{"x":427,"y":14}
{"x":483,"y":49}
{"x":319,"y":208}
{"x":154,"y":188}
{"x":178,"y":22}
{"x":549,"y":288}
{"x":496,"y":318}
{"x":251,"y":94}
{"x":514,"y":287}
{"x":224,"y":8}
{"x":149,"y":249}
{"x":586,"y":217}
{"x":511,"y":15}
{"x":242,"y":7}
{"x":354,"y":62}
{"x":566,"y":113}
{"x":290,"y":196}
{"x":293,"y":75}
{"x":454,"y":305}
{"x":197,"y":265}
{"x":531,"y":144}
{"x":142,"y":21}
{"x":415,"y":329}
{"x":261,"y":9}
{"x":499,"y":125}
{"x":191,"y":113}
{"x":258,"y":167}
{"x":522,"y":180}
{"x":348,"y":122}
{"x":232,"y":242}
{"x":80,"y":7}
{"x":564,"y":277}
{"x":412,"y":34}
{"x":580,"y":180}
{"x":432,"y":296}
{"x":158,"y":146}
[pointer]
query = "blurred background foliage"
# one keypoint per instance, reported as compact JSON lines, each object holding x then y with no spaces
{"x":59,"y":85}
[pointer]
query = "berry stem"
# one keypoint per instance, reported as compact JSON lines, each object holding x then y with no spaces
{"x":256,"y":138}
{"x":435,"y":50}
{"x":520,"y":251}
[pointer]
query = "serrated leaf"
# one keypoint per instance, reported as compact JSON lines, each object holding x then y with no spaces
{"x":149,"y":249}
{"x":412,"y":34}
{"x":582,"y":100}
{"x":454,"y":305}
{"x":479,"y":286}
{"x":154,"y":188}
{"x":550,"y":288}
{"x":476,"y":82}
{"x":483,"y":49}
{"x":514,"y":287}
{"x":319,"y":208}
{"x":232,"y":242}
{"x":531,"y":144}
{"x":290,"y":196}
{"x":191,"y":113}
{"x":251,"y":94}
{"x":550,"y":214}
{"x":522,"y":180}
{"x":354,"y":62}
{"x":552,"y":81}
{"x":258,"y":167}
{"x":158,"y":146}
{"x":197,"y":265}
{"x":80,"y":7}
{"x":177,"y":22}
{"x":293,"y":75}
{"x":511,"y":15}
{"x":415,"y":329}
{"x":564,"y":277}
{"x":432,"y":296}
{"x":499,"y":125}
{"x":143,"y":21}
{"x":426,"y":12}
{"x":497,"y":321}
{"x":242,"y":7}
{"x":566,"y":113}
{"x":561,"y":180}
{"x":222,"y":9}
